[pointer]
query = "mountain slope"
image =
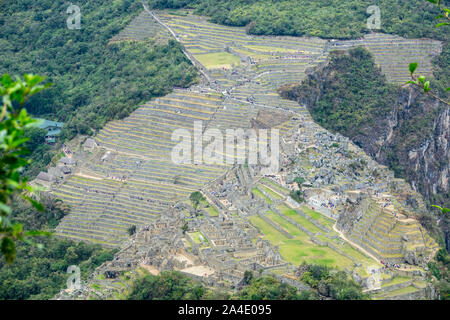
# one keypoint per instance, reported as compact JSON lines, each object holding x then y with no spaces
{"x":399,"y":127}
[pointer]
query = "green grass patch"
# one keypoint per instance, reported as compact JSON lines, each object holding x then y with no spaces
{"x":402,"y":291}
{"x":289,"y":227}
{"x":396,"y":280}
{"x":218,"y":60}
{"x":95,"y":286}
{"x":212,"y":211}
{"x":270,"y":233}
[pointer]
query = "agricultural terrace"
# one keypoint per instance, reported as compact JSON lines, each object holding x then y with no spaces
{"x":280,"y":60}
{"x":304,"y":235}
{"x":135,"y":181}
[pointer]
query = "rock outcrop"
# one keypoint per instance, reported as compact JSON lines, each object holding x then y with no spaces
{"x":411,"y":137}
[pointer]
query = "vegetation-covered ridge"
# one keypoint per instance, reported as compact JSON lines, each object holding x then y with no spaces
{"x":354,"y":94}
{"x":339,"y":19}
{"x":351,"y":96}
{"x":94,"y":82}
{"x":40,"y":272}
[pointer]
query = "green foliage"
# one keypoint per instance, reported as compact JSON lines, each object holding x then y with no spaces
{"x":297,"y":196}
{"x":439,"y":272}
{"x":32,"y":219}
{"x":185,"y":227}
{"x":40,"y":153}
{"x":13,"y":122}
{"x":299,"y":181}
{"x":248,"y":277}
{"x":339,"y":19}
{"x":269,"y":288}
{"x":444,"y":13}
{"x":420,"y":81}
{"x":169,"y":285}
{"x":196,"y":197}
{"x":131,"y":230}
{"x":42,"y":273}
{"x":173,"y":285}
{"x":443,"y":210}
{"x":336,"y":285}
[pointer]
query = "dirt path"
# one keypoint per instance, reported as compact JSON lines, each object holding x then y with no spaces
{"x":150,"y":269}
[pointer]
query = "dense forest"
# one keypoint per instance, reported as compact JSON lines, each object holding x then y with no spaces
{"x":40,"y":271}
{"x":353,"y":97}
{"x":93,"y":82}
{"x":338,"y":19}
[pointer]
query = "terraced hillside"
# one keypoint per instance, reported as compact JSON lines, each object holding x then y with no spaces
{"x":388,"y":237}
{"x":125,"y":175}
{"x":268,"y":60}
{"x":141,"y":28}
{"x":133,"y":180}
{"x":279,"y":60}
{"x":130,"y":179}
{"x":304,"y":235}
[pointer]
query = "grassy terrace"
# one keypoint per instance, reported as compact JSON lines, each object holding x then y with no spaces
{"x":381,"y":233}
{"x":300,"y":248}
{"x":396,"y":280}
{"x":218,"y":60}
{"x":212,"y":211}
{"x":398,"y":292}
{"x":294,"y":215}
{"x":261,"y":195}
{"x":197,"y":237}
{"x":103,"y":209}
{"x":195,"y":32}
{"x":320,"y":218}
{"x":141,"y":28}
{"x":391,"y":53}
